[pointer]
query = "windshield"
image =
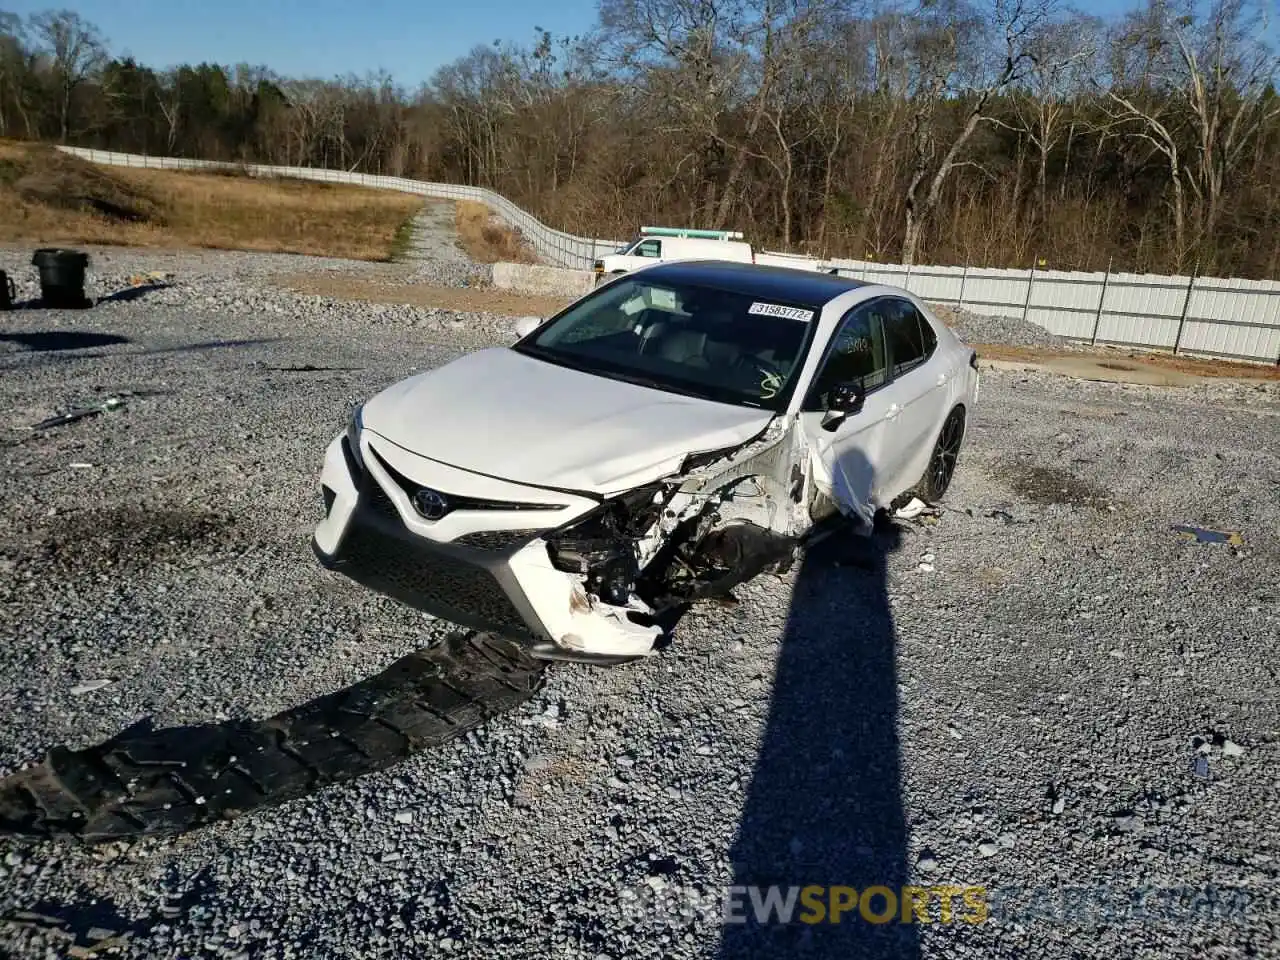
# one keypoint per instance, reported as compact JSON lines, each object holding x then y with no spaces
{"x":715,"y":344}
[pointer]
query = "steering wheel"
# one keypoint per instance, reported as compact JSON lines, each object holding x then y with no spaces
{"x":765,"y":367}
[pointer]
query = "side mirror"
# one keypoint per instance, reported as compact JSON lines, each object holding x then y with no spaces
{"x":843,"y":401}
{"x":526,"y":326}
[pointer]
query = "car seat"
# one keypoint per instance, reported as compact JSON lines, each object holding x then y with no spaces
{"x":687,"y":347}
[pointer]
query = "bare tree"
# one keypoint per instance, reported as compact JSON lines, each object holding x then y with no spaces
{"x":944,"y":128}
{"x":11,"y":54}
{"x":1227,"y":76}
{"x":949,"y":34}
{"x":1063,"y":56}
{"x":76,"y":50}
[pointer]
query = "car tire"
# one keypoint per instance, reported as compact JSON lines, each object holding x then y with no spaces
{"x":932,"y":487}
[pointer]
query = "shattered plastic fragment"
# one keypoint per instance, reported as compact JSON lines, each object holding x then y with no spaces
{"x":912,"y":509}
{"x":1204,"y":535}
{"x":90,"y":686}
{"x":71,"y":416}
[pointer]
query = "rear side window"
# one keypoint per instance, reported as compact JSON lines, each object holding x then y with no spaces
{"x":927,"y":334}
{"x":910,"y":338}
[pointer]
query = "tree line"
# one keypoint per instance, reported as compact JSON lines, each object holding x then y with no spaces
{"x":988,"y":132}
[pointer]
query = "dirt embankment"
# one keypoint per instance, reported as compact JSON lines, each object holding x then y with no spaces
{"x":50,"y":197}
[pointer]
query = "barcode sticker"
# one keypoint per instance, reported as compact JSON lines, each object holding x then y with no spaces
{"x":778,"y":310}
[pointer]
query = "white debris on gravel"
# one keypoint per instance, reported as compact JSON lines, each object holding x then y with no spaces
{"x":847,"y":724}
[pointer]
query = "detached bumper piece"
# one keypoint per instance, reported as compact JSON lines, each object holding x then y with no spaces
{"x":145,"y":782}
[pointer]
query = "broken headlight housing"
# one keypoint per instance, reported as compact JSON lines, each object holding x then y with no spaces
{"x":601,"y":546}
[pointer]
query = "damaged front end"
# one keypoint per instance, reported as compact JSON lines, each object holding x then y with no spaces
{"x":605,"y":585}
{"x":637,"y":562}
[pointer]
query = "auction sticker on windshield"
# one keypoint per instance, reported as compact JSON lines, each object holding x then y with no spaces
{"x":778,"y":310}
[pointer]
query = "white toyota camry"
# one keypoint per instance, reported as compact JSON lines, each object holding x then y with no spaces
{"x":664,"y":438}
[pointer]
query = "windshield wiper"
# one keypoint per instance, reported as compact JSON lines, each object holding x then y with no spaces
{"x":643,"y":381}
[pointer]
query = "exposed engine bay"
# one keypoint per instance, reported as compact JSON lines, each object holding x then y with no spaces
{"x":726,"y":517}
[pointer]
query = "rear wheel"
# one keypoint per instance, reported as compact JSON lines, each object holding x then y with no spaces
{"x":942,"y":464}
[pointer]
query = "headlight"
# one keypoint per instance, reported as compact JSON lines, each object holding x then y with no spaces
{"x":601,"y":545}
{"x":355,"y":426}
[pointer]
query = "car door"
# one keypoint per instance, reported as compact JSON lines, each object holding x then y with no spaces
{"x":919,"y":387}
{"x":849,"y":459}
{"x":644,"y":253}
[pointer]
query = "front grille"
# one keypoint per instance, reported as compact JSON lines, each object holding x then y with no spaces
{"x":458,"y":501}
{"x":495,"y":539}
{"x":380,"y":501}
{"x":436,"y":583}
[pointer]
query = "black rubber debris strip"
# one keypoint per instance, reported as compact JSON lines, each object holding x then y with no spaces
{"x":145,"y":782}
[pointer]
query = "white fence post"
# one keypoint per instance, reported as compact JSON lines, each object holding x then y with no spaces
{"x":1031,"y":282}
{"x":1186,"y":302}
{"x":1097,"y":320}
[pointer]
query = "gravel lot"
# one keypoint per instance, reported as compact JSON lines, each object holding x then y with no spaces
{"x":1073,"y":699}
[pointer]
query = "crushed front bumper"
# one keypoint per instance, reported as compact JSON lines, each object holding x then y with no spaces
{"x":499,"y":581}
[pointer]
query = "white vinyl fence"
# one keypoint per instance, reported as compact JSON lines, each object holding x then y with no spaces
{"x":1238,"y":319}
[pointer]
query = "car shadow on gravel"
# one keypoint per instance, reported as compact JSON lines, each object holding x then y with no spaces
{"x":824,"y":809}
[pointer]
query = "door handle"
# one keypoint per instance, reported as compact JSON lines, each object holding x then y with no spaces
{"x":892,"y":412}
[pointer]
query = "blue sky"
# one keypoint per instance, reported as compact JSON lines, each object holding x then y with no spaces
{"x":409,"y":38}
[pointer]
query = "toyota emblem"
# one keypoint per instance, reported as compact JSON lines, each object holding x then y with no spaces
{"x":432,"y":504}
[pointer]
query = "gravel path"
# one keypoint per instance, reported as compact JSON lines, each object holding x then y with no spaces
{"x":1075,"y":701}
{"x":439,"y":258}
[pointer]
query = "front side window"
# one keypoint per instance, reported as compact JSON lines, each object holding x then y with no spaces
{"x":856,"y":356}
{"x":705,"y":342}
{"x":648,"y":248}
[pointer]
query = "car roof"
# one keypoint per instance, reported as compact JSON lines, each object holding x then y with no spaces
{"x":777,"y":283}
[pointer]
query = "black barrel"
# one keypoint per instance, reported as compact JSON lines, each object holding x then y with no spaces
{"x":62,"y":277}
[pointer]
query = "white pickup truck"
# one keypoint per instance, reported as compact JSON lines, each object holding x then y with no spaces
{"x":676,"y":243}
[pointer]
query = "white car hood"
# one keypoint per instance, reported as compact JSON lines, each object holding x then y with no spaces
{"x":501,"y":413}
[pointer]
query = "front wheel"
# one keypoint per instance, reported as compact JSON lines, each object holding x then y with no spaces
{"x":942,"y":464}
